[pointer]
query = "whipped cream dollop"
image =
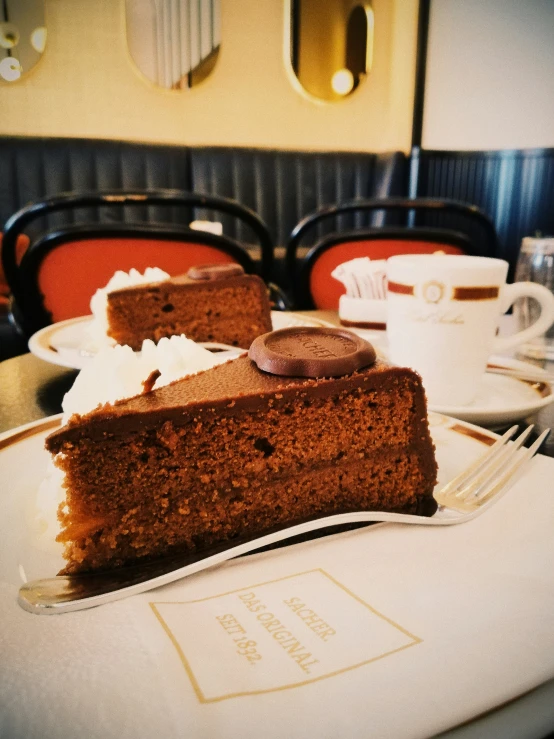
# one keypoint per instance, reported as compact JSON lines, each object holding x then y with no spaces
{"x":97,"y":330}
{"x":116,"y":373}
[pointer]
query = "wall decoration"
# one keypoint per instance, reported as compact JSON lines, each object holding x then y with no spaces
{"x":174,"y":43}
{"x":331,"y":46}
{"x":22,"y":37}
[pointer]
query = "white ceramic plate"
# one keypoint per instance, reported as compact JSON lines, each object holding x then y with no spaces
{"x":63,"y":343}
{"x":27,"y":546}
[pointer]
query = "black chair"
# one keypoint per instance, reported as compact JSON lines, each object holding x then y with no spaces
{"x":65,"y":264}
{"x":414,"y":226}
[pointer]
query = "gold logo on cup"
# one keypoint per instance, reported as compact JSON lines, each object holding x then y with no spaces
{"x":433,"y":291}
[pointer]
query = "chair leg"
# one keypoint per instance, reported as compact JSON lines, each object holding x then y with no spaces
{"x":13,"y":341}
{"x":278,"y":297}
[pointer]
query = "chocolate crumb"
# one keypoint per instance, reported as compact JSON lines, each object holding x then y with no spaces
{"x":148,"y":384}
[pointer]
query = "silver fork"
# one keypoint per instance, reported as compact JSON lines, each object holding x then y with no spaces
{"x":468,"y":495}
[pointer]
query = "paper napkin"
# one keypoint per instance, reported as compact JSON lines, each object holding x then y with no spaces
{"x":363,"y":278}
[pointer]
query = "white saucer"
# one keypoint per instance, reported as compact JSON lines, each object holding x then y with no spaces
{"x":501,"y":400}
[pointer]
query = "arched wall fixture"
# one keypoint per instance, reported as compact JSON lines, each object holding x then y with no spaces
{"x":22,"y":37}
{"x":174,"y":43}
{"x":330,"y":46}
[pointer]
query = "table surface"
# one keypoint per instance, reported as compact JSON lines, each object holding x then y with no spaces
{"x":31,"y":389}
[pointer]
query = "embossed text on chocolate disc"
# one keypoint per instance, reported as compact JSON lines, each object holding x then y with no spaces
{"x":311,"y":352}
{"x":214,"y":271}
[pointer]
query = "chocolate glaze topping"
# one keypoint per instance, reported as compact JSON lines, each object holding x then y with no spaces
{"x":227,"y":389}
{"x":311,"y":352}
{"x":214,"y":271}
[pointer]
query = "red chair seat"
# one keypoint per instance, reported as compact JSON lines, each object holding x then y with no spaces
{"x":81,"y":263}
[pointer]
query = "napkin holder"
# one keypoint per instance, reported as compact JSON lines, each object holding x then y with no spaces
{"x":364,"y":305}
{"x":368,"y":313}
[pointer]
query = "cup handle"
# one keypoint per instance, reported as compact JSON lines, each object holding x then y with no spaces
{"x":510,"y":293}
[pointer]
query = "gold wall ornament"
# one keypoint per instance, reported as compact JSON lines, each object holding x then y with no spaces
{"x":10,"y":69}
{"x":9,"y":35}
{"x":330,"y":46}
{"x":173,"y":43}
{"x":38,"y":39}
{"x":21,"y":47}
{"x":342,"y":82}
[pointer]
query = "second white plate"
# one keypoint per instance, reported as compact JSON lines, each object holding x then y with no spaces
{"x":64,"y":343}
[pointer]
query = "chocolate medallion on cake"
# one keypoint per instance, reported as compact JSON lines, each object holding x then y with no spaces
{"x":311,"y":352}
{"x":214,"y":271}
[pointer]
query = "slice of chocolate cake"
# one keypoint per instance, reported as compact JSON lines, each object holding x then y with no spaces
{"x":309,"y":424}
{"x":211,"y":303}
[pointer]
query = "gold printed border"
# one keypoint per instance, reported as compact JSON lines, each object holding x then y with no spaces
{"x":198,"y":690}
{"x":481,"y":292}
{"x":475,"y":293}
{"x":363,"y":324}
{"x":398,"y":287}
{"x":544,"y":389}
{"x":473,"y":433}
{"x":48,"y":423}
{"x":43,"y":338}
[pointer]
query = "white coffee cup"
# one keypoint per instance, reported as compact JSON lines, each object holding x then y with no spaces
{"x":443,"y":313}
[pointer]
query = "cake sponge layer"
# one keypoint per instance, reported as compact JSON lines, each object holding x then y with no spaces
{"x":232,"y":311}
{"x":188,"y":482}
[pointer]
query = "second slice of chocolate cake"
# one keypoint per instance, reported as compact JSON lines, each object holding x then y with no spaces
{"x":211,"y":303}
{"x":236,"y":450}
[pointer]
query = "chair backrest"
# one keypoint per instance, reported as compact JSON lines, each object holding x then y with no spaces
{"x":63,"y":267}
{"x":21,"y":246}
{"x":282,"y":186}
{"x":469,"y":231}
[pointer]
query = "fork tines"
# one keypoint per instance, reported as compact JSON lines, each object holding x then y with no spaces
{"x":490,"y":473}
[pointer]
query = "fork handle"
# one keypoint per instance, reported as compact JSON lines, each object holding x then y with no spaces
{"x":66,"y":593}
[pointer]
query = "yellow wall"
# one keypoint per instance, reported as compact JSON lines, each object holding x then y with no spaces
{"x":86,"y":85}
